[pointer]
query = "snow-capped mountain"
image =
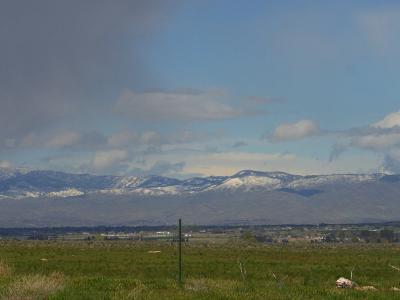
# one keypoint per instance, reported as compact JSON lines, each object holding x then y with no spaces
{"x":47,"y":198}
{"x":20,"y":184}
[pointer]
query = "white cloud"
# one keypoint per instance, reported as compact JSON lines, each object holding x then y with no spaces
{"x":379,"y":136}
{"x":177,"y":105}
{"x":228,"y":163}
{"x":110,"y":159}
{"x":389,"y":121}
{"x":377,"y":141}
{"x":5,"y":164}
{"x":295,"y":131}
{"x":64,"y":139}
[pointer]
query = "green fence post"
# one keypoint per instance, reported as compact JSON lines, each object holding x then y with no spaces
{"x":180,"y":278}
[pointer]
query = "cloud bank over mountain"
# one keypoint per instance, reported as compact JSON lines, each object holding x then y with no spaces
{"x":181,"y":88}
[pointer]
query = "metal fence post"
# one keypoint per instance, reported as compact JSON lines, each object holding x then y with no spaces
{"x":180,"y":251}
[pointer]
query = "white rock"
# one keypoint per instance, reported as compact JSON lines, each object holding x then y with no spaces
{"x":344,"y":283}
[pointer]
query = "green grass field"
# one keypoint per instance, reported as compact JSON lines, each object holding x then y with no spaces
{"x":126,"y":270}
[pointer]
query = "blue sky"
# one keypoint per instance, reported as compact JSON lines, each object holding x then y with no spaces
{"x":184,"y":88}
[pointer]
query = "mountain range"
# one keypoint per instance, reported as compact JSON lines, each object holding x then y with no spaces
{"x":49,"y":198}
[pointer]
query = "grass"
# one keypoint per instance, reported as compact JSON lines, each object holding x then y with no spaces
{"x":128,"y":270}
{"x":5,"y":270}
{"x":35,"y":286}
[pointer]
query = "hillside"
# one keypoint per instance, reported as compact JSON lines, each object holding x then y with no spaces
{"x":45,"y":198}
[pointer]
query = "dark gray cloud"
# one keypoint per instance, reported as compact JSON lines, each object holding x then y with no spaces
{"x":336,"y":151}
{"x":73,"y":140}
{"x":239,"y":144}
{"x":65,"y":58}
{"x":165,"y":167}
{"x":117,"y":153}
{"x":160,"y":168}
{"x":391,"y":163}
{"x":264,"y":100}
{"x":178,"y":105}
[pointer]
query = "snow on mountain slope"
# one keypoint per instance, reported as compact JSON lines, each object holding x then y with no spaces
{"x":36,"y":184}
{"x":319,"y":180}
{"x":66,"y":193}
{"x":155,"y":191}
{"x":277,"y":175}
{"x":129,"y":182}
{"x":248,"y":182}
{"x":158,"y":191}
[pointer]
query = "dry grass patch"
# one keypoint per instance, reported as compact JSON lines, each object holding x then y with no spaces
{"x":206,"y":284}
{"x":35,"y":286}
{"x":5,"y":270}
{"x":137,"y":291}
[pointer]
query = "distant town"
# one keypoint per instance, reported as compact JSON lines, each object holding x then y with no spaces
{"x":267,"y":234}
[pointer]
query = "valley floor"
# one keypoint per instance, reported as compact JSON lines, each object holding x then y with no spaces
{"x":138,"y":270}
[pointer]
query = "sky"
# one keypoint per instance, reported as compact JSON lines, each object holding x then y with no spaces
{"x":197,"y":88}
